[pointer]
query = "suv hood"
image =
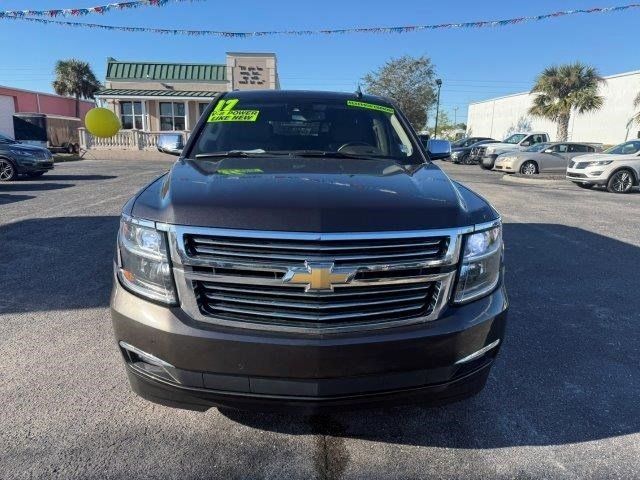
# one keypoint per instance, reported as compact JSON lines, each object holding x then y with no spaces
{"x":594,"y":157}
{"x":309,"y":195}
{"x":21,"y":146}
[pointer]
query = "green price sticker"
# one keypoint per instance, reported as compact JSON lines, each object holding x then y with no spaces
{"x":224,"y":112}
{"x":370,"y":106}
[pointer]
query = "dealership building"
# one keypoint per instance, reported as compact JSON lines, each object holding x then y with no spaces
{"x":612,"y":124}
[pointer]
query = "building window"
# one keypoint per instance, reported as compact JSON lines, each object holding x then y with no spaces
{"x":131,"y":115}
{"x":201,"y":108}
{"x":172,"y":116}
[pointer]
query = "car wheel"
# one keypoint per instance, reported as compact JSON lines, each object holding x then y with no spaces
{"x":76,"y":148}
{"x":466,"y":160}
{"x":70,"y":148}
{"x":620,"y":182}
{"x":35,"y":174}
{"x":7,"y":171}
{"x":529,"y":168}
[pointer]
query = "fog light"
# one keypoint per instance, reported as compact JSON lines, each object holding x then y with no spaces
{"x":148,"y":363}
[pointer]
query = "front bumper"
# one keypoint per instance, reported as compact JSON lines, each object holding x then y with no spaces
{"x":208,"y":366}
{"x":488,"y":161}
{"x":32,"y":166}
{"x":499,"y":167}
{"x":586,"y":175}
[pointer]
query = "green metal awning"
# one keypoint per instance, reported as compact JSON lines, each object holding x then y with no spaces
{"x":125,"y":92}
{"x":160,"y":71}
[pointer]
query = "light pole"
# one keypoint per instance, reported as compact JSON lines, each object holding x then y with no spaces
{"x":435,"y":130}
{"x":455,"y":116}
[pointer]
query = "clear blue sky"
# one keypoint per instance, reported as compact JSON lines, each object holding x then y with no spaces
{"x":474,"y":64}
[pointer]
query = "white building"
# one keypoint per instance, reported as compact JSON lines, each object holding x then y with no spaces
{"x":610,"y":125}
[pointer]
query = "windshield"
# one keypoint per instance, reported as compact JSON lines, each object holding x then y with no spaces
{"x":464,"y":142}
{"x":538,"y":147}
{"x":515,"y":138}
{"x":627,"y":148}
{"x":6,"y":140}
{"x":304,"y":127}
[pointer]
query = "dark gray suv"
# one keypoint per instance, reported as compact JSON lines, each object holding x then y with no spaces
{"x":304,"y":254}
{"x":20,"y":159}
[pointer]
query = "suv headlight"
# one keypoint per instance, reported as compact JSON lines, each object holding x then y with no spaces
{"x":22,"y":153}
{"x":599,"y":163}
{"x":143,"y":261}
{"x":480,"y":265}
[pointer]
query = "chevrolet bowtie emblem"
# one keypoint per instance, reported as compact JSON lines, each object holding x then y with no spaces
{"x":319,"y":276}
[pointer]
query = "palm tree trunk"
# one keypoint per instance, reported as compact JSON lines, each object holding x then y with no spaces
{"x":77,"y":106}
{"x":563,"y":127}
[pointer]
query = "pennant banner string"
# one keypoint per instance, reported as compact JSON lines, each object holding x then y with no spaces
{"x":81,"y":12}
{"x":372,"y":30}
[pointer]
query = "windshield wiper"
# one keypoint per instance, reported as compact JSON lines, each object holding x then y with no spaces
{"x":323,"y":153}
{"x":232,"y":154}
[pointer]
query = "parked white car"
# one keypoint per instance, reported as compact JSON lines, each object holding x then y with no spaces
{"x":617,"y":168}
{"x":516,"y":142}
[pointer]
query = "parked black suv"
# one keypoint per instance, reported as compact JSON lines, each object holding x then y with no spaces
{"x":303,"y":254}
{"x":21,"y":159}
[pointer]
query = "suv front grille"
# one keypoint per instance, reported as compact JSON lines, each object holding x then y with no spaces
{"x":268,"y":304}
{"x":245,"y":278}
{"x":353,"y":252}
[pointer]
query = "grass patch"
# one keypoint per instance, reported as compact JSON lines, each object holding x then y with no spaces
{"x":66,"y":157}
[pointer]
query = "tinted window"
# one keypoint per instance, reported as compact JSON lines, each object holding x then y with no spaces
{"x":515,"y":138}
{"x":580,"y":148}
{"x":282,"y":125}
{"x":627,"y":148}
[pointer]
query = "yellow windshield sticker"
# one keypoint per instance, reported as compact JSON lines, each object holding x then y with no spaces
{"x":238,"y":171}
{"x":370,"y":106}
{"x":224,"y":112}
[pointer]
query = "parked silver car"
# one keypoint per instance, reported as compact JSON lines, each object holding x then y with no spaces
{"x":543,"y":158}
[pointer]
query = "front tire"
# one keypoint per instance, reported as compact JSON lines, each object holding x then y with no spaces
{"x":621,"y":181}
{"x":7,"y":171}
{"x":529,"y":168}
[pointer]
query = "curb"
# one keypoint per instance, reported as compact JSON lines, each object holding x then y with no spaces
{"x":533,"y":181}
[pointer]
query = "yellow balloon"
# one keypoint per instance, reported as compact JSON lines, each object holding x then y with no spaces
{"x":102,"y":122}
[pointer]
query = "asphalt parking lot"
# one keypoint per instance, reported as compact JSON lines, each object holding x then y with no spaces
{"x":562,"y":400}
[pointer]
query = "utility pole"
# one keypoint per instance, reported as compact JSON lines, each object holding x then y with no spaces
{"x":435,"y":130}
{"x":455,"y":116}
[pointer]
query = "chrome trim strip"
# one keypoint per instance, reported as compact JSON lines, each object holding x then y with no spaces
{"x":139,"y":221}
{"x":147,"y":357}
{"x":488,"y":225}
{"x":478,"y":354}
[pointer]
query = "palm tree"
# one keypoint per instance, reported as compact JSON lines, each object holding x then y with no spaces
{"x":562,"y":90}
{"x":75,"y":78}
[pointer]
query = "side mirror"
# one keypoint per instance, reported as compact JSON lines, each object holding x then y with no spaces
{"x":526,"y":144}
{"x":548,"y":150}
{"x":171,"y":143}
{"x":438,"y":149}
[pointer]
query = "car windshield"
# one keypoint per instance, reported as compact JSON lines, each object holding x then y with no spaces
{"x":6,"y":140}
{"x":515,"y":138}
{"x":538,"y":147}
{"x":627,"y":148}
{"x":304,"y":127}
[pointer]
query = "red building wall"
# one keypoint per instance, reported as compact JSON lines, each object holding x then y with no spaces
{"x":26,"y":101}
